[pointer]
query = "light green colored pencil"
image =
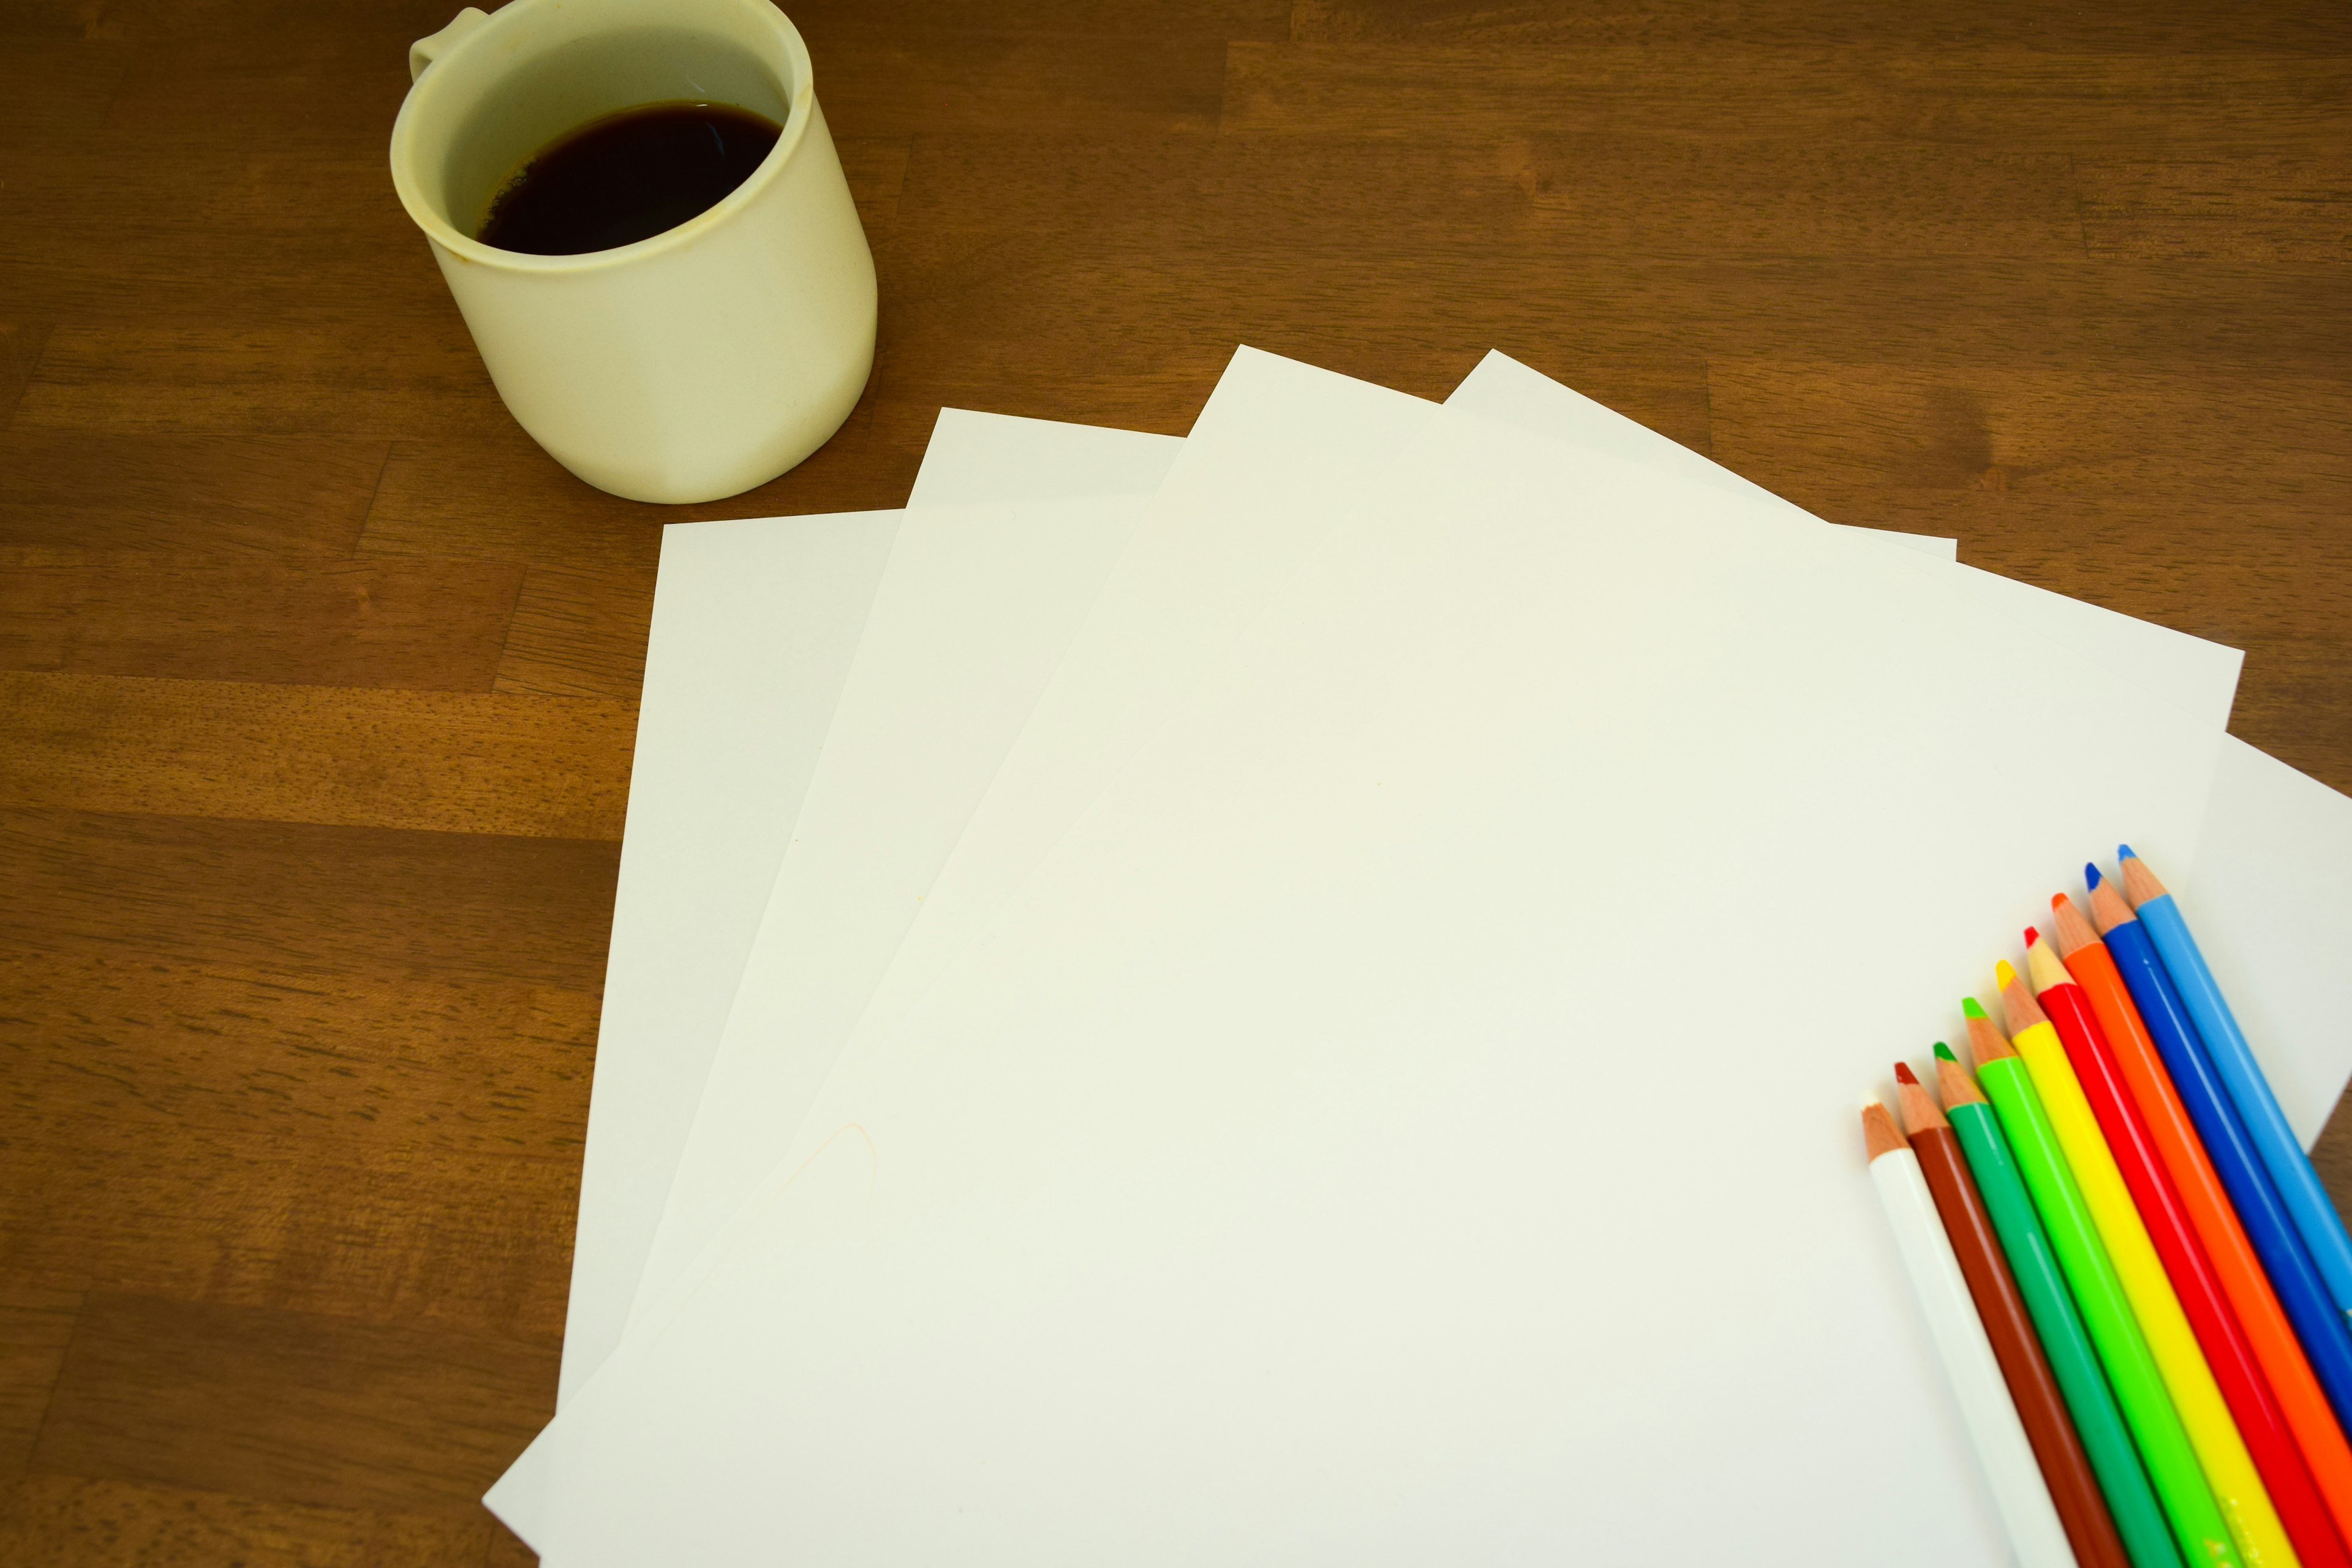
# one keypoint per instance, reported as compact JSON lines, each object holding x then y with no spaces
{"x":2198,"y":1525}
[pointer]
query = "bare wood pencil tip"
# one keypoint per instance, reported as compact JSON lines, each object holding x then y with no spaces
{"x":2108,"y":908}
{"x":1920,"y":1111}
{"x":1958,"y":1087}
{"x":1986,"y":1042}
{"x":2073,"y":931}
{"x":2043,"y":968}
{"x":2017,"y":1002}
{"x":1879,"y":1134}
{"x":2139,"y":883}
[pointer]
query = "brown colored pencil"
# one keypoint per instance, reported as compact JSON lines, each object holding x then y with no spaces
{"x":2049,"y":1426}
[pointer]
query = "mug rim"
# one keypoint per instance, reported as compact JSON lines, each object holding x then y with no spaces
{"x":442,"y":233}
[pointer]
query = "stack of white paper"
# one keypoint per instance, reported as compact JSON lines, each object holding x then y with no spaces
{"x":1295,"y":995}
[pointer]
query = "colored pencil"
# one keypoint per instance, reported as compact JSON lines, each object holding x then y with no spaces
{"x":2243,"y":1074}
{"x":2212,"y":1432}
{"x":2317,"y":1432}
{"x":2315,"y":1218}
{"x":2297,"y":1515}
{"x":2000,"y":1305}
{"x":2128,"y":1500}
{"x":2204,"y":1413}
{"x":2197,"y":1526}
{"x":2019,"y":1493}
{"x":2326,"y":1338}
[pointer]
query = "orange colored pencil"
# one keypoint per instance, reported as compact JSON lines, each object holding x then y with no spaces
{"x":2309,"y":1419}
{"x":2284,"y":1520}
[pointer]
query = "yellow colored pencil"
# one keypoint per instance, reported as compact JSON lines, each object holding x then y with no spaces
{"x":2221,"y":1451}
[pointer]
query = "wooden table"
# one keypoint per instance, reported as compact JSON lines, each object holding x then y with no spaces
{"x":317,"y":679}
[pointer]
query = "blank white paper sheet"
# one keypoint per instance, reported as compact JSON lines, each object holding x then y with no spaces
{"x":972,"y":616}
{"x":755,"y":625}
{"x":1300,"y":1165}
{"x":2271,"y":878}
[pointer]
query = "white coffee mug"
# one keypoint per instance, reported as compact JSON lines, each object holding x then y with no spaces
{"x":694,"y":364}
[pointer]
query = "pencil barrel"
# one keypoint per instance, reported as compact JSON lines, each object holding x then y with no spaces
{"x":2326,"y":1337}
{"x":2164,"y":1100}
{"x":2244,"y":1443}
{"x":2020,"y":1493}
{"x":2198,"y":1528}
{"x":2032,"y":1383}
{"x":2073,"y":1360}
{"x":2316,"y":1219}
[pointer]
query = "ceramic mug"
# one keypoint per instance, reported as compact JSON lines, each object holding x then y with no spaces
{"x":695,"y":365}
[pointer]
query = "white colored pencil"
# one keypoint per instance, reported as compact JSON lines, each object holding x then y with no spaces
{"x":2019,"y":1490}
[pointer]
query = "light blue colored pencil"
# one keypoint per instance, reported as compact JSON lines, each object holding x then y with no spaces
{"x":2307,"y":1204}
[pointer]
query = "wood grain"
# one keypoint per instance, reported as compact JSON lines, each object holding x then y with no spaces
{"x":2080,"y":102}
{"x":578,"y":633}
{"x":876,"y":168}
{"x":402,"y":1018}
{"x":1522,"y":192}
{"x":2163,"y":26}
{"x":2249,"y":209}
{"x":2093,"y":430}
{"x":286,"y":1406}
{"x":58,"y":88}
{"x":386,"y":377}
{"x":295,"y":899}
{"x":62,"y":1521}
{"x":884,"y":81}
{"x":277,"y":495}
{"x":207,"y":211}
{"x":479,"y":1243}
{"x":21,"y":342}
{"x":115,"y":1049}
{"x":454,"y":763}
{"x":430,"y":626}
{"x":318,"y":676}
{"x":497,"y":497}
{"x":35,"y":1322}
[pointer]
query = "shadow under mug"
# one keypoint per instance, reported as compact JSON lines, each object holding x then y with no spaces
{"x":695,"y":365}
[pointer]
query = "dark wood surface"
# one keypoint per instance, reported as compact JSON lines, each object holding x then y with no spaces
{"x":317,"y":679}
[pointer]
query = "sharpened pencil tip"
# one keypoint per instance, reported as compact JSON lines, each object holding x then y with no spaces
{"x":2089,"y":874}
{"x":2031,"y":936}
{"x":1903,"y":1073}
{"x":1944,"y":1052}
{"x":2124,"y":852}
{"x":2057,"y":903}
{"x":2003,"y":974}
{"x":1969,"y":1006}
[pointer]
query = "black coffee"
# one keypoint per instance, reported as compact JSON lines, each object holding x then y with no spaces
{"x":628,"y":177}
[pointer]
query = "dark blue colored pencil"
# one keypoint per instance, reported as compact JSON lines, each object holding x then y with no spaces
{"x":2327,"y":1340}
{"x":2308,"y":1203}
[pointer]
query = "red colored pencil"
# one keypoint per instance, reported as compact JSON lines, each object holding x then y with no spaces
{"x":2163,"y":1105}
{"x":2260,"y":1421}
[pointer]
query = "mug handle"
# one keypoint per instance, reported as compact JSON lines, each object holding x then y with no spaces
{"x":424,"y":51}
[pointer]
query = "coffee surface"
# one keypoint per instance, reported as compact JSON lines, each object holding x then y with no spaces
{"x":628,"y":177}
